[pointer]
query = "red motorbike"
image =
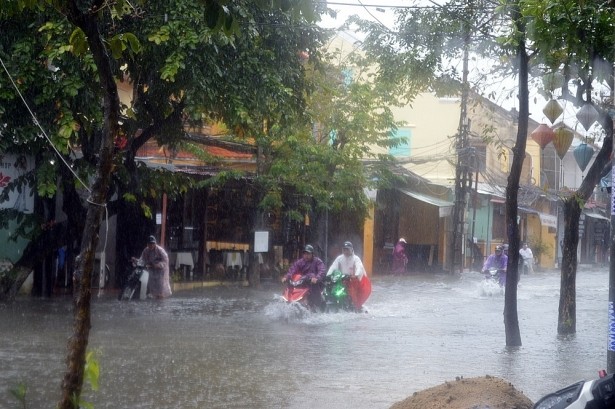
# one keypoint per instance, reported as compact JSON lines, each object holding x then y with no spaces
{"x":298,"y":290}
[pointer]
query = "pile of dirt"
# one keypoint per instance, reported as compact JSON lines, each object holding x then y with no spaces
{"x":473,"y":393}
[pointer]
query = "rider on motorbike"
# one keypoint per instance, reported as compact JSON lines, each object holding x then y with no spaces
{"x":498,"y":260}
{"x":312,"y":267}
{"x":359,"y":286}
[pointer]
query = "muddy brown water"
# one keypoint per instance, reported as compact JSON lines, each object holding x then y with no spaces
{"x":231,"y":347}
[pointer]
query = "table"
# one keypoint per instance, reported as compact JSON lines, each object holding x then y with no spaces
{"x":233,"y":258}
{"x":184,"y":258}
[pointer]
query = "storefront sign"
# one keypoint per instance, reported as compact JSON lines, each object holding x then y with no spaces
{"x":11,"y":168}
{"x":548,"y":220}
{"x":261,"y":241}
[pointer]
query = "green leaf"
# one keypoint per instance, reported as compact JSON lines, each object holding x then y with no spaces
{"x":78,"y":42}
{"x":133,"y":41}
{"x":117,"y":46}
{"x":92,"y":370}
{"x":129,"y":197}
{"x":19,"y":393}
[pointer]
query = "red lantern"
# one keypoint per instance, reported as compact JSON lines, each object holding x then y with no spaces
{"x":543,"y":135}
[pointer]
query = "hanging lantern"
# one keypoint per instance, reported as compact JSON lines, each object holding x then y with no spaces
{"x":587,"y":115}
{"x":562,"y":140}
{"x":552,"y":80}
{"x":552,"y":110}
{"x":583,"y":154}
{"x":542,"y":135}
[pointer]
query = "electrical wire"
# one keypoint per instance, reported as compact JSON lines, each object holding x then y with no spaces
{"x":37,"y":123}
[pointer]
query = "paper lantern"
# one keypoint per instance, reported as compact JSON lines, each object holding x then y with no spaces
{"x":552,"y":80}
{"x":542,"y":135}
{"x":552,"y":110}
{"x":587,"y":115}
{"x":562,"y":140}
{"x":583,"y":154}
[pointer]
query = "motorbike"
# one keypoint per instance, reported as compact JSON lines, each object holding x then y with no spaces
{"x":137,"y":280}
{"x":595,"y":394}
{"x":298,"y":290}
{"x":495,"y":276}
{"x":336,"y":292}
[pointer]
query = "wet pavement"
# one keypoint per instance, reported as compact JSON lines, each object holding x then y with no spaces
{"x":234,"y":347}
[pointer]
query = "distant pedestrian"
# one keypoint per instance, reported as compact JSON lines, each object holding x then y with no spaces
{"x":400,"y":259}
{"x":527,"y":259}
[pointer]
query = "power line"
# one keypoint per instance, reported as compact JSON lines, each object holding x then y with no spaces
{"x":380,"y":6}
{"x":335,"y":3}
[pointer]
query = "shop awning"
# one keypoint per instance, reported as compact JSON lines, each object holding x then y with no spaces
{"x":444,"y":207}
{"x":527,"y":210}
{"x":595,"y":215}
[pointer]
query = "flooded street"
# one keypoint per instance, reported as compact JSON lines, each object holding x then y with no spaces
{"x":228,"y":347}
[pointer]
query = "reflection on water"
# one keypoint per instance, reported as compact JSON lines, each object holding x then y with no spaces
{"x":233,"y":347}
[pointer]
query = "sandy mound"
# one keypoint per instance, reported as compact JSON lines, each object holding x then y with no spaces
{"x":472,"y":393}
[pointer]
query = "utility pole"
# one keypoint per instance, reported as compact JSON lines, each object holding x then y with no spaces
{"x":610,"y":353}
{"x":474,"y":204}
{"x":462,"y":175}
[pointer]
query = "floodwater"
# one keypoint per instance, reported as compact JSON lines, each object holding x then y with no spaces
{"x":230,"y":347}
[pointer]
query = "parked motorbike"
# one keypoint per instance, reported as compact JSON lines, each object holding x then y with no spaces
{"x":336,"y":292}
{"x":596,"y":394}
{"x":136,"y":283}
{"x":495,"y":276}
{"x":298,"y":290}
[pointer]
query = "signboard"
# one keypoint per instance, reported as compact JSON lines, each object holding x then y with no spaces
{"x":261,"y":241}
{"x":548,"y":220}
{"x":11,"y":168}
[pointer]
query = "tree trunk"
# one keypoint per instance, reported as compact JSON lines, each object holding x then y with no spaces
{"x":72,"y":383}
{"x":567,"y":321}
{"x":511,"y":318}
{"x":21,"y":274}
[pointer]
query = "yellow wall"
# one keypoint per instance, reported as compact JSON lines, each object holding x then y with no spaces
{"x":433,"y":123}
{"x":368,"y":241}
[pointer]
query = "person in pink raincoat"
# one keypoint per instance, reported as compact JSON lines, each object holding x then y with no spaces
{"x":400,"y":260}
{"x":157,"y":263}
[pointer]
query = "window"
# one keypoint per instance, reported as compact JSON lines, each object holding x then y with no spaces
{"x":403,"y":148}
{"x":480,"y":157}
{"x":498,"y":227}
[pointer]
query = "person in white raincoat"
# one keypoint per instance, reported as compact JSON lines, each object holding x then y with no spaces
{"x":360,"y":286}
